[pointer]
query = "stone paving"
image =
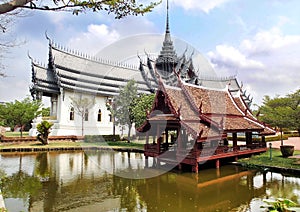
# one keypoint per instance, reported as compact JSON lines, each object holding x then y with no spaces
{"x":295,"y":141}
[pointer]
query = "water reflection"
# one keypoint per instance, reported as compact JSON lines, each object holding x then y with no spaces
{"x":84,"y":182}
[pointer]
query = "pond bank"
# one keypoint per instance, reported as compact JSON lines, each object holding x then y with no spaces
{"x":49,"y":149}
{"x":262,"y":161}
{"x":69,"y":146}
{"x":273,"y":161}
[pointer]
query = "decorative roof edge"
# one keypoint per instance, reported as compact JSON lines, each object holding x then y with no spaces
{"x":89,"y":57}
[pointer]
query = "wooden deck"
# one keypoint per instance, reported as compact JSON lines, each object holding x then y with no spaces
{"x":193,"y":157}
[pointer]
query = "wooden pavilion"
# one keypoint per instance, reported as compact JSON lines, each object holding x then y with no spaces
{"x":189,"y":125}
{"x":190,"y":119}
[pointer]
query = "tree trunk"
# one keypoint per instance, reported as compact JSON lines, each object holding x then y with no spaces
{"x":82,"y":123}
{"x":114,"y":126}
{"x":281,"y":137}
{"x":46,"y":142}
{"x":129,"y":131}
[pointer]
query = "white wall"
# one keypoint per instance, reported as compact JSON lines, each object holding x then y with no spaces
{"x":64,"y":126}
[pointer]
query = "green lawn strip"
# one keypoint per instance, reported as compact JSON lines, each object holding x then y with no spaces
{"x":16,"y":134}
{"x":114,"y":144}
{"x":277,"y":160}
{"x":65,"y":144}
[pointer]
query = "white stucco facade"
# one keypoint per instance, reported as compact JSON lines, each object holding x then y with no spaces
{"x":97,"y":120}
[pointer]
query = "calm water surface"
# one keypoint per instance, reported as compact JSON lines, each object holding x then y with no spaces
{"x":119,"y":181}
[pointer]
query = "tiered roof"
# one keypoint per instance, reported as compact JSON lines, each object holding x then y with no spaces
{"x":204,"y":112}
{"x":74,"y":71}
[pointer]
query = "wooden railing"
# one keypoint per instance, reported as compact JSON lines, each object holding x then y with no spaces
{"x":192,"y":153}
{"x":216,"y":151}
{"x":156,"y":148}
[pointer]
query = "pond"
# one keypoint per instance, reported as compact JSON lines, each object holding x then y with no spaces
{"x":119,"y":181}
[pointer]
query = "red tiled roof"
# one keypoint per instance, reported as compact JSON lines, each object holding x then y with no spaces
{"x":180,"y":101}
{"x":212,"y":101}
{"x":206,"y":130}
{"x":209,"y":112}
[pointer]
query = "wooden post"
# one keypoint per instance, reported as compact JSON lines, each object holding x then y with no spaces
{"x":147,"y":137}
{"x":217,"y":163}
{"x":195,"y":168}
{"x":179,"y":140}
{"x":248,"y":138}
{"x":179,"y":166}
{"x":158,"y":138}
{"x":263,"y":141}
{"x":159,"y":143}
{"x":234,"y":139}
{"x":167,"y":139}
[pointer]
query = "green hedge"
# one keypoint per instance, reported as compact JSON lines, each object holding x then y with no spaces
{"x":291,"y":134}
{"x":268,"y":138}
{"x":101,"y":138}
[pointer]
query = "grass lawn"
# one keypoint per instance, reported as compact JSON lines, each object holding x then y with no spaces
{"x":16,"y":134}
{"x":277,"y":160}
{"x":64,"y":144}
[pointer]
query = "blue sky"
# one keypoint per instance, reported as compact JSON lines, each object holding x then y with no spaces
{"x":256,"y":40}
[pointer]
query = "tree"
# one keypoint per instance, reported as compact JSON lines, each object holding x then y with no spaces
{"x":123,"y":105}
{"x":20,"y":112}
{"x":81,"y":107}
{"x":276,"y":112}
{"x":120,"y":8}
{"x":46,"y":111}
{"x":294,"y":103}
{"x":2,"y":120}
{"x":43,"y":129}
{"x":141,"y":105}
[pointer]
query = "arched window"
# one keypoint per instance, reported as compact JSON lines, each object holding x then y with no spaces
{"x":99,"y":115}
{"x":86,"y":115}
{"x":72,"y":114}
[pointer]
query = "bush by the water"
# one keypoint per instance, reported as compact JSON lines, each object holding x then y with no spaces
{"x":43,"y":129}
{"x":101,"y":138}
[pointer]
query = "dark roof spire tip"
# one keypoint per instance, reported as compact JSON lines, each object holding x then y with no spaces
{"x":167,"y":22}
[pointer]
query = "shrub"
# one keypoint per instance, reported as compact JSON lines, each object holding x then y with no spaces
{"x":43,"y":129}
{"x":281,"y":205}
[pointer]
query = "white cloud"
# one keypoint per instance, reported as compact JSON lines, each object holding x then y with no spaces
{"x":98,"y":36}
{"x":231,"y":57}
{"x":267,"y":41}
{"x":203,"y":5}
{"x":94,"y":39}
{"x":268,"y":62}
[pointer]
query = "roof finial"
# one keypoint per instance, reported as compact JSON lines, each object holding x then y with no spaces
{"x":167,"y":24}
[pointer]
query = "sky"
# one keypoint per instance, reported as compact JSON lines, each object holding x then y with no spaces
{"x":258,"y":41}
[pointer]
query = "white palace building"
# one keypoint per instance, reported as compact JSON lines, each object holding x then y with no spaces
{"x":71,"y":75}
